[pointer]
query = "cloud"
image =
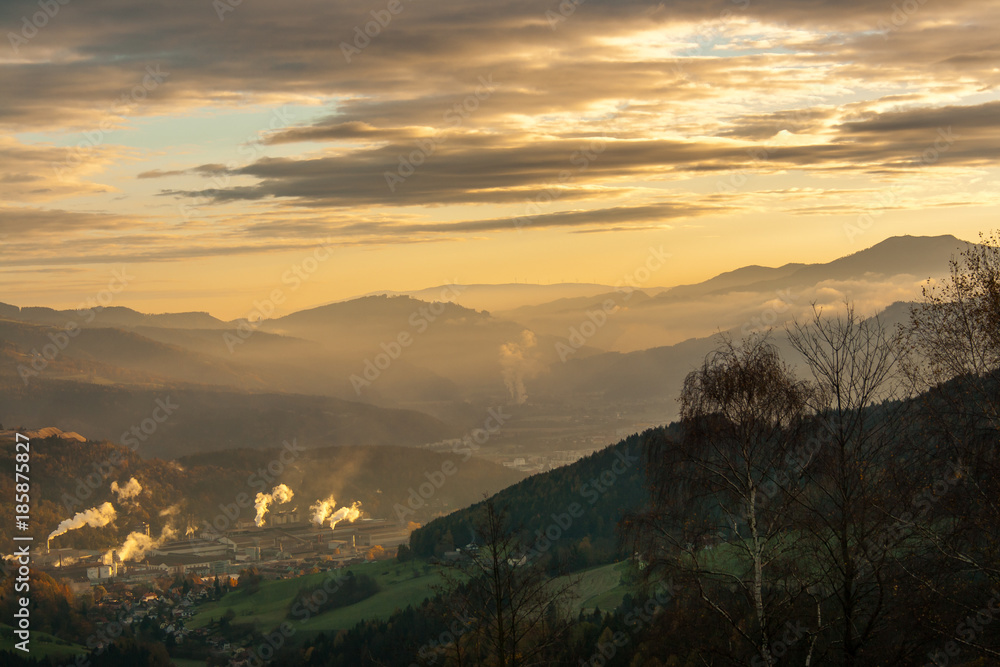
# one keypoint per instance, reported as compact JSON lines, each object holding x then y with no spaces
{"x":44,"y":172}
{"x":680,"y":94}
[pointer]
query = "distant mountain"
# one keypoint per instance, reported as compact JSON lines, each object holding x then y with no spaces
{"x":419,"y":345}
{"x":730,"y":280}
{"x":875,"y":277}
{"x":505,"y":296}
{"x":575,"y":305}
{"x":112,"y":316}
{"x":558,"y":347}
{"x":919,"y":256}
{"x":204,"y":420}
{"x":371,"y":315}
{"x":655,"y":376}
{"x":111,"y":355}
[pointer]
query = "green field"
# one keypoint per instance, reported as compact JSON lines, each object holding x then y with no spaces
{"x":401,"y":584}
{"x":41,"y":644}
{"x":599,"y":587}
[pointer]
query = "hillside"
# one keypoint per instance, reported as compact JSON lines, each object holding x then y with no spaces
{"x":501,"y":297}
{"x":208,"y":420}
{"x":921,"y":256}
{"x":578,"y":505}
{"x":110,"y":355}
{"x":110,"y":316}
{"x":196,"y":486}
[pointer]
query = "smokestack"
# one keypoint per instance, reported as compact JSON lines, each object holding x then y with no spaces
{"x":138,"y":543}
{"x":279,"y":494}
{"x":95,"y":517}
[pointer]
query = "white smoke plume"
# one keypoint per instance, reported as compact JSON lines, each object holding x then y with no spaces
{"x":170,"y":511}
{"x":516,"y":365}
{"x":131,"y":489}
{"x":96,"y":517}
{"x":324,"y":510}
{"x":279,"y":494}
{"x":137,"y":544}
{"x":348,"y":514}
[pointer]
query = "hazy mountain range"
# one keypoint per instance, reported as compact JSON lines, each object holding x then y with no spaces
{"x":403,"y":368}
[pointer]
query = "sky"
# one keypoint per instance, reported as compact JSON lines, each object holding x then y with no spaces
{"x":206,"y":155}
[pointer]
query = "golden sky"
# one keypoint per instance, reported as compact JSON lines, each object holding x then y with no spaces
{"x":219,"y":151}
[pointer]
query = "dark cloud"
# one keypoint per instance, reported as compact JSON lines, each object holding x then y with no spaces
{"x":486,"y":169}
{"x":760,"y":127}
{"x":48,"y":224}
{"x":926,"y":121}
{"x":492,"y":103}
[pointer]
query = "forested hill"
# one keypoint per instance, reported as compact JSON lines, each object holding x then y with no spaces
{"x":571,"y":512}
{"x":70,"y":476}
{"x":611,"y":483}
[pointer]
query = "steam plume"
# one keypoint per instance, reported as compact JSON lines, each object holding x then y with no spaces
{"x":170,"y":511}
{"x":279,"y":494}
{"x":137,"y":544}
{"x":131,"y":489}
{"x":516,"y":365}
{"x":324,"y":510}
{"x":95,"y":516}
{"x":349,"y":514}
